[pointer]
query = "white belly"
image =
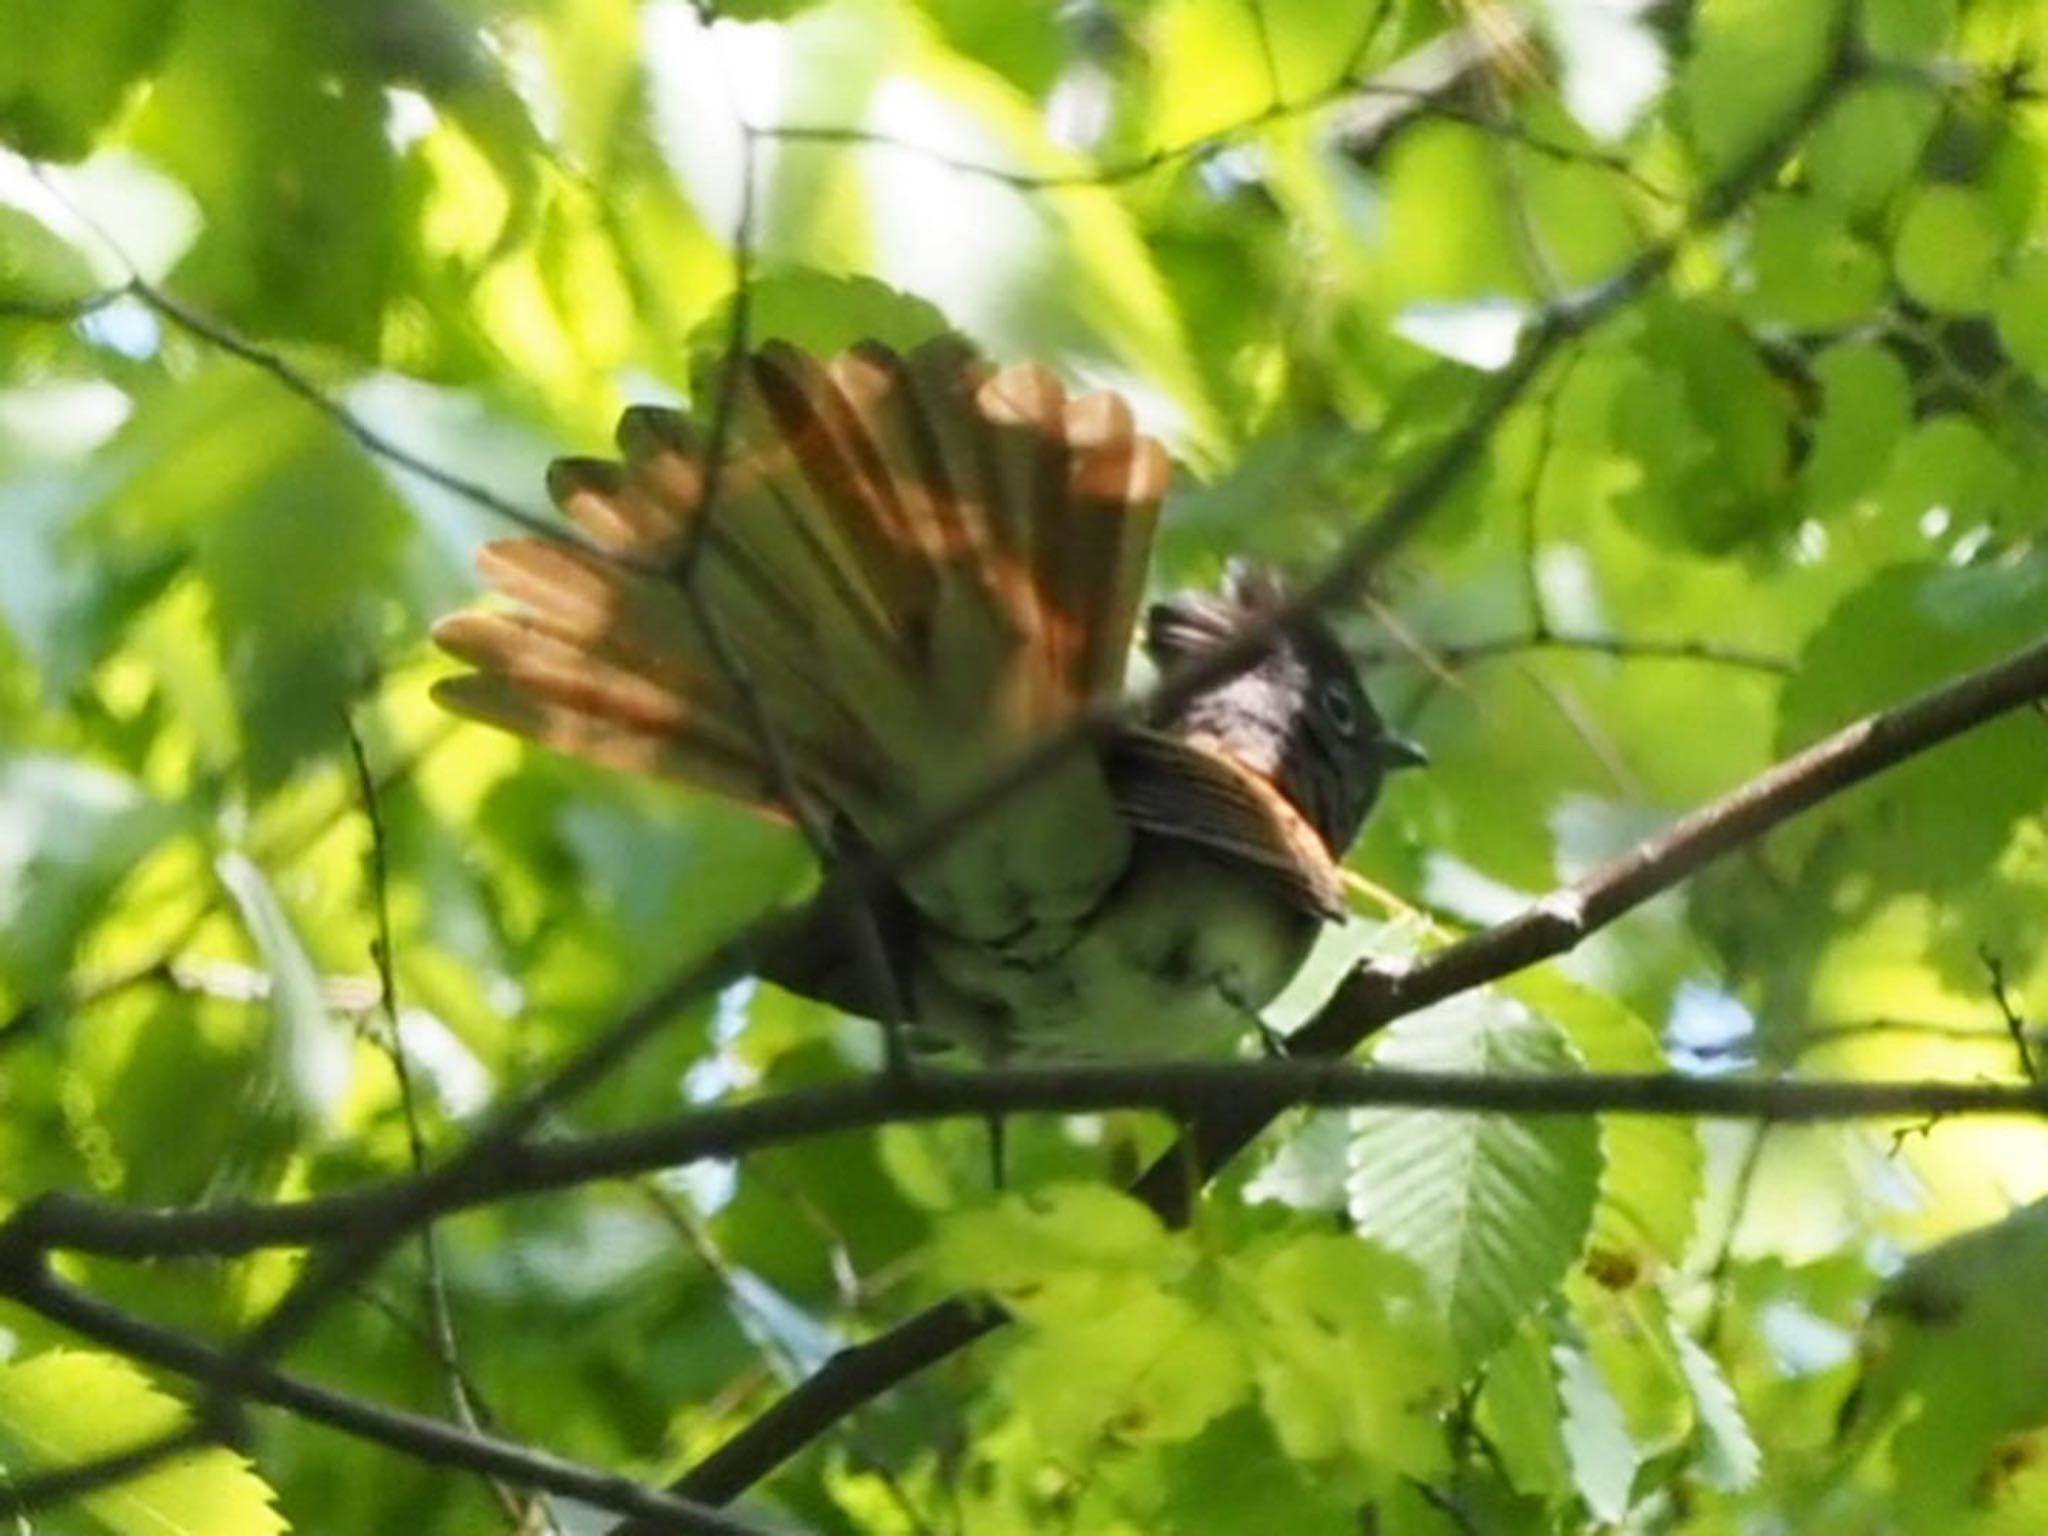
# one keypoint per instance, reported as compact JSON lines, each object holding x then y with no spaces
{"x":1178,"y":961}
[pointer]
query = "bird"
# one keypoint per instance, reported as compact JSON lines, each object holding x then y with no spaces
{"x":867,"y":584}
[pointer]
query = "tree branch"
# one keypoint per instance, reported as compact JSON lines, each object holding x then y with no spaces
{"x":431,"y":1440}
{"x":1201,"y":1091}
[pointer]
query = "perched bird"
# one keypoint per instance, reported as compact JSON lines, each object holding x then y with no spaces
{"x":910,"y":569}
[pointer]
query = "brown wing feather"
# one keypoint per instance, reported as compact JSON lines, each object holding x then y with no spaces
{"x":1170,"y":788}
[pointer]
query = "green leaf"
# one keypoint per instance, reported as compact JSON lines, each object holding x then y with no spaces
{"x":1958,"y":1362}
{"x":1057,"y":1251}
{"x":1811,"y":272}
{"x":1947,"y":248}
{"x":1730,"y":1458}
{"x":1448,"y":238}
{"x":1030,"y":46}
{"x":70,"y":833}
{"x":298,"y":638}
{"x":1235,"y":1477}
{"x":1941,"y":825}
{"x":1152,"y":1369}
{"x":1351,"y":1358}
{"x":313,"y":1052}
{"x":1492,"y":1210}
{"x":293,"y":170}
{"x":1870,"y":144}
{"x":1908,"y":28}
{"x":1220,"y":64}
{"x":1866,"y":409}
{"x":1521,"y":1415}
{"x":1708,"y":426}
{"x":65,"y":1407}
{"x":1752,"y":63}
{"x":2019,"y":305}
{"x":1604,"y":1458}
{"x":67,"y":69}
{"x":1931,"y":623}
{"x":1654,"y":1167}
{"x":1628,"y":1334}
{"x":1947,"y":465}
{"x":36,"y":265}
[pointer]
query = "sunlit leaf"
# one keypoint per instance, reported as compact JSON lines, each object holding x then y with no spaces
{"x":2020,"y":306}
{"x":70,"y":833}
{"x":1869,"y":145}
{"x":1150,"y":1370}
{"x":1353,"y":1358}
{"x":1753,"y":61}
{"x":1521,"y":1413}
{"x":1951,"y":1357}
{"x":62,"y":1408}
{"x":36,"y":266}
{"x":1947,"y":248}
{"x":1491,"y":1210}
{"x":67,"y":70}
{"x":1653,"y":1170}
{"x":1604,"y":1459}
{"x":1064,"y":1250}
{"x":1811,"y":270}
{"x":1866,"y":409}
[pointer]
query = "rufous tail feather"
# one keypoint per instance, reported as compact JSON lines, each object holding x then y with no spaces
{"x":916,"y":565}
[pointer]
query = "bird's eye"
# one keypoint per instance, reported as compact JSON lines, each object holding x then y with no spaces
{"x":1339,"y":709}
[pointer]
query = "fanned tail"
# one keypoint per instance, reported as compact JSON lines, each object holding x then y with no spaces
{"x":916,"y":565}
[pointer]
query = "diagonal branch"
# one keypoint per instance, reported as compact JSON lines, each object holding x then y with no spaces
{"x":431,"y":1440}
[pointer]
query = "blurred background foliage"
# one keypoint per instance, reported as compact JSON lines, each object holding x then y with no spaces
{"x":247,"y":252}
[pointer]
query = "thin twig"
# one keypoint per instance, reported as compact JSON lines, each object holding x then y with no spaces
{"x":433,"y":1274}
{"x":2015,"y":1024}
{"x":351,"y":425}
{"x":1620,"y":647}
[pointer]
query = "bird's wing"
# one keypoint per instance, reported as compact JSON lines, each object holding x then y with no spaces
{"x":1171,"y":788}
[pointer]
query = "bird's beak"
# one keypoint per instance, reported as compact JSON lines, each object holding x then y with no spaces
{"x":1400,"y":752}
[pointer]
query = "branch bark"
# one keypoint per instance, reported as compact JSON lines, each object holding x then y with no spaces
{"x":1201,"y":1092}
